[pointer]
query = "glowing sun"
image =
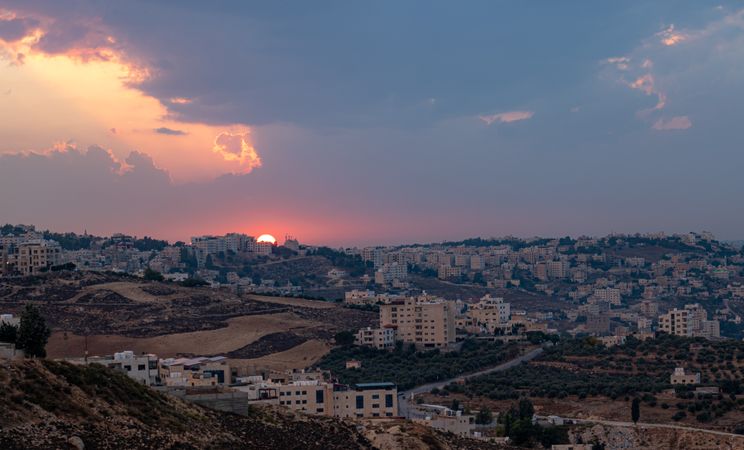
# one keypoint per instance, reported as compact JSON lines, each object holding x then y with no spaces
{"x":266,"y":238}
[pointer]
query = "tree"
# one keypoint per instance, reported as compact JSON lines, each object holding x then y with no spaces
{"x":8,"y":333}
{"x":455,"y":405}
{"x":345,"y":338}
{"x":635,"y":410}
{"x":526,"y":410}
{"x":153,"y":275}
{"x":33,"y":332}
{"x":484,"y":416}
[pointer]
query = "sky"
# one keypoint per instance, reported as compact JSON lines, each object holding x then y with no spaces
{"x":354,"y":123}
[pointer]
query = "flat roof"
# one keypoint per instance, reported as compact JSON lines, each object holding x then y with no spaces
{"x":364,"y":386}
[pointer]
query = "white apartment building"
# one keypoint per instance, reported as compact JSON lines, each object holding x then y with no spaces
{"x":141,"y":368}
{"x":425,"y":322}
{"x":387,"y":273}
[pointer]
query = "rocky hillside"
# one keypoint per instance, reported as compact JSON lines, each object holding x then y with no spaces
{"x":48,"y":404}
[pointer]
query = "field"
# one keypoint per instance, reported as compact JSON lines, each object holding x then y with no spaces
{"x":581,"y":378}
{"x":118,"y":312}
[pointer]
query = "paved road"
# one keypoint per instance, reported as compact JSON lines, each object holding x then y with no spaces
{"x":649,"y":425}
{"x":405,"y":396}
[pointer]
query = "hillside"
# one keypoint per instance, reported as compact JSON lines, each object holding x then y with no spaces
{"x":49,"y":404}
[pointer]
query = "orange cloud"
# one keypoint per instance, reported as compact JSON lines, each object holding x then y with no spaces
{"x":237,"y":147}
{"x":507,"y":117}
{"x":675,"y":123}
{"x":670,"y":37}
{"x":89,"y":86}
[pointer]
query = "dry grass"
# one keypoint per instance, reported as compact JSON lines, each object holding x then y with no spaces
{"x":240,"y":331}
{"x":304,"y":355}
{"x":302,"y":302}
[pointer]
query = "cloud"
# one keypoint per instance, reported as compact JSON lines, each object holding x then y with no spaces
{"x":180,"y":100}
{"x":669,"y":37}
{"x":620,"y":62}
{"x":237,"y":147}
{"x":14,"y":28}
{"x":169,"y":131}
{"x":507,"y":117}
{"x":675,"y":123}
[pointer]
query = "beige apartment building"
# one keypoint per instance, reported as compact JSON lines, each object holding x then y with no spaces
{"x":690,"y":321}
{"x":38,"y":254}
{"x":491,"y":313}
{"x":425,"y":322}
{"x":675,"y":322}
{"x":368,"y":400}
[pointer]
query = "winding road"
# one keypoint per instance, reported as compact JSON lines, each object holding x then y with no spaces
{"x":405,"y":396}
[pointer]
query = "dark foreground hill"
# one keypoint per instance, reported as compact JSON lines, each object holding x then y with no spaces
{"x":47,"y":404}
{"x":54,"y":405}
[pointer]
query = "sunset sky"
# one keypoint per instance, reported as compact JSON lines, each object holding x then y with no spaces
{"x":349,"y":122}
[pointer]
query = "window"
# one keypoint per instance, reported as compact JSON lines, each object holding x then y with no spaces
{"x":320,"y":410}
{"x":375,"y":405}
{"x":128,"y":368}
{"x":297,"y":402}
{"x":319,"y":397}
{"x":141,"y":367}
{"x":388,"y":400}
{"x":375,"y":396}
{"x":360,"y":401}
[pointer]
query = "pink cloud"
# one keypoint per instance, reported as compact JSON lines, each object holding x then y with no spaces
{"x":675,"y":123}
{"x":507,"y":117}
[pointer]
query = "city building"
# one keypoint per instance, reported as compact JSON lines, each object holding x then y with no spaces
{"x":141,"y":368}
{"x":679,"y":376}
{"x":193,"y":372}
{"x":390,"y":272}
{"x":491,"y":314}
{"x":379,"y":338}
{"x":426,"y":322}
{"x":37,"y":255}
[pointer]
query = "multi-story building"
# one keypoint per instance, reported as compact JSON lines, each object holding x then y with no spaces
{"x":491,"y":313}
{"x":380,"y":338}
{"x":444,"y":272}
{"x":388,"y":273}
{"x":690,"y":321}
{"x":359,"y":297}
{"x":610,"y":295}
{"x":141,"y":368}
{"x":38,"y":254}
{"x":365,"y":400}
{"x":675,"y":322}
{"x":315,"y":396}
{"x":425,"y":322}
{"x":191,"y":372}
